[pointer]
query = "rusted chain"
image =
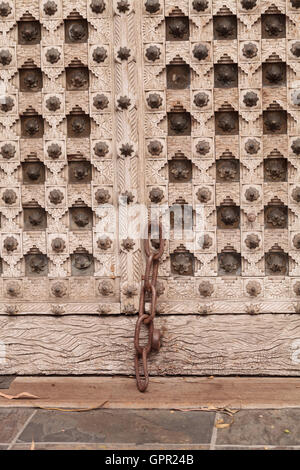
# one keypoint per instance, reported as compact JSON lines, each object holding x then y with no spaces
{"x":148,"y":285}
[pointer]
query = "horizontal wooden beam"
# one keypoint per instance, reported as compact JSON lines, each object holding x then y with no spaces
{"x":192,"y":345}
{"x":163,"y":392}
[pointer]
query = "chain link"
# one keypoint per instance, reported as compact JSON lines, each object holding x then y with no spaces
{"x":148,"y":286}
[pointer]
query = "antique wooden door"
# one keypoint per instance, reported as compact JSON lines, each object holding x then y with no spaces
{"x":186,"y":103}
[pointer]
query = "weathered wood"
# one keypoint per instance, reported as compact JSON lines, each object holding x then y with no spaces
{"x":194,"y":345}
{"x":164,"y":392}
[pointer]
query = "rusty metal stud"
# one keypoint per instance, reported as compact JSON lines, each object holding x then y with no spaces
{"x":296,"y":194}
{"x":8,"y":151}
{"x":100,"y":101}
{"x":5,"y":57}
{"x":36,"y":265}
{"x":104,"y":243}
{"x":128,"y":244}
{"x":295,"y":49}
{"x":34,"y":218}
{"x":81,"y":218}
{"x":58,"y":245}
{"x":296,"y":146}
{"x":124,"y":53}
{"x":228,"y":217}
{"x":273,"y":26}
{"x":205,"y":241}
{"x":32,"y":127}
{"x":10,"y":244}
{"x":156,"y":195}
{"x":50,"y":8}
{"x":178,"y":77}
{"x":182,"y":264}
{"x":126,"y":150}
{"x":59,"y":289}
{"x":76,"y":31}
{"x":252,"y":241}
{"x":253,"y":288}
{"x":250,"y":99}
{"x":204,"y":195}
{"x":97,"y":6}
{"x":229,"y":264}
{"x":106,"y":288}
{"x":56,"y":196}
{"x":153,"y":53}
{"x":296,"y":241}
{"x":124,"y":102}
{"x":101,"y":149}
{"x":252,"y":146}
{"x":154,"y":100}
{"x":6,"y":104}
{"x":80,"y":172}
{"x":228,"y":170}
{"x":152,"y":6}
{"x":225,"y":27}
{"x":226,"y":75}
{"x":31,"y":80}
{"x":252,"y":194}
{"x":276,"y":264}
{"x":9,"y":197}
{"x":102,"y":196}
{"x":53,"y":103}
{"x":29,"y":32}
{"x":53,"y":55}
{"x":99,"y":54}
{"x":78,"y":125}
{"x":33,"y":173}
{"x":177,"y":28}
{"x":200,"y":51}
{"x":155,"y":148}
{"x":200,"y":5}
{"x":13,"y":289}
{"x":180,"y":171}
{"x":54,"y":151}
{"x":5,"y":9}
{"x":275,"y":169}
{"x":202,"y":147}
{"x":206,"y":289}
{"x":227,"y":123}
{"x":82,"y":264}
{"x":250,"y":50}
{"x":77,"y":78}
{"x":276,"y":217}
{"x":275,"y":122}
{"x":179,"y":124}
{"x":274,"y":74}
{"x":201,"y":99}
{"x":248,"y":4}
{"x":123,"y":6}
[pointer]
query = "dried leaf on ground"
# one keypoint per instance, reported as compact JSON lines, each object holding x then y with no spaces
{"x":221,"y":425}
{"x":22,"y":395}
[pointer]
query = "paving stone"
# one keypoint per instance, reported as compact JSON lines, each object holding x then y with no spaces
{"x":121,"y":426}
{"x":12,"y":420}
{"x":101,"y":446}
{"x":262,"y":427}
{"x":5,"y":381}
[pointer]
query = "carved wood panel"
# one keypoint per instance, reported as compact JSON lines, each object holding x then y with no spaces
{"x":107,"y":105}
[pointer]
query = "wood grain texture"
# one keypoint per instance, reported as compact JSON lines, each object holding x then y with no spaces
{"x":194,"y":345}
{"x":163,"y":392}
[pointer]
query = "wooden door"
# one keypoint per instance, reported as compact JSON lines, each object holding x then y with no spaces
{"x":111,"y":107}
